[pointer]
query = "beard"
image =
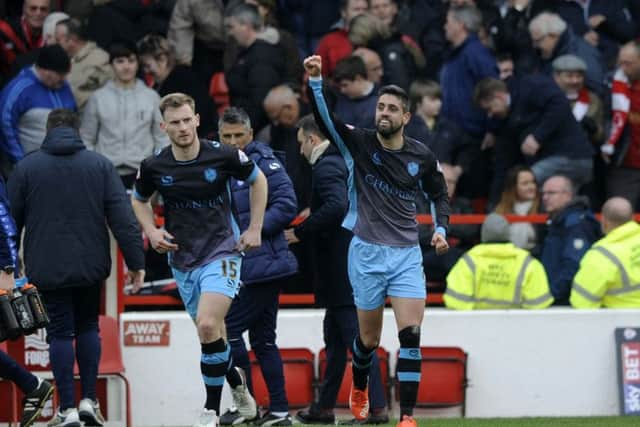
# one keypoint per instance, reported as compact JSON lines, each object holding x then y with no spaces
{"x":388,"y":131}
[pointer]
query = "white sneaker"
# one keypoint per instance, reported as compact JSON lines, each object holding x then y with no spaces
{"x":243,"y":400}
{"x":208,"y":418}
{"x":90,"y":414}
{"x":68,"y":418}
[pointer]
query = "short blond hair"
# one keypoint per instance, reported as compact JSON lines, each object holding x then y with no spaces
{"x":176,"y":100}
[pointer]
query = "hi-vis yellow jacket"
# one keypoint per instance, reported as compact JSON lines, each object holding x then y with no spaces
{"x":609,"y":273}
{"x":497,"y":276}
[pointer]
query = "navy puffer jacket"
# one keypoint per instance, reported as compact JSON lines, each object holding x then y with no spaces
{"x":273,"y":259}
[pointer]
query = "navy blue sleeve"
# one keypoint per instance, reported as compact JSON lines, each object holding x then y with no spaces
{"x":330,"y":186}
{"x":122,"y":220}
{"x":281,"y":203}
{"x":143,"y":188}
{"x":578,"y":240}
{"x":434,"y":185}
{"x":547,"y":97}
{"x":8,"y":232}
{"x":239,"y":165}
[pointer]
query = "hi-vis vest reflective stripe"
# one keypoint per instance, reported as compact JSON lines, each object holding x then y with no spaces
{"x":627,"y":287}
{"x":516,"y":301}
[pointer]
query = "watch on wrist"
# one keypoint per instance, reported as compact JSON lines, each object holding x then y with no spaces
{"x":9,"y":269}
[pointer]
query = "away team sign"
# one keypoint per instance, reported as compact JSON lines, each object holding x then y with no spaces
{"x":147,"y":332}
{"x":628,"y":355}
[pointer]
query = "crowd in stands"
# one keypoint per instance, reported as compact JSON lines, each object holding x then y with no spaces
{"x":530,"y":106}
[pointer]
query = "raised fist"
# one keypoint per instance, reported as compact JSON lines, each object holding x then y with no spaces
{"x":313,"y":65}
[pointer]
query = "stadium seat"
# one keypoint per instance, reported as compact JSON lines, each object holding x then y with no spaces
{"x":298,"y":364}
{"x":8,"y":406}
{"x":444,"y":378}
{"x":219,"y":91}
{"x":343,"y":393}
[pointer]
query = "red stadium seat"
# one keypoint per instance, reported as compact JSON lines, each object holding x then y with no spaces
{"x":9,"y":411}
{"x":343,"y":392}
{"x":219,"y":91}
{"x":298,"y":364}
{"x":444,"y":378}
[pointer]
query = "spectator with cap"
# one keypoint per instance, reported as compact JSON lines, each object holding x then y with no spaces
{"x":496,"y":274}
{"x":90,"y":68}
{"x":537,"y":127}
{"x":569,"y":73}
{"x":27,"y":100}
{"x":49,"y":27}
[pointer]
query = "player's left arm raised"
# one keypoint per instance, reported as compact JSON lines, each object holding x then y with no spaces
{"x":435,"y":187}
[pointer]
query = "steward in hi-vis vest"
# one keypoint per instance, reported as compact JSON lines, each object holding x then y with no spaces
{"x":609,"y":274}
{"x":496,"y":274}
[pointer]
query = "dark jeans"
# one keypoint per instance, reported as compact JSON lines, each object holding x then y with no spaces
{"x":11,"y":370}
{"x":340,"y":329}
{"x":74,"y":316}
{"x":255,"y":309}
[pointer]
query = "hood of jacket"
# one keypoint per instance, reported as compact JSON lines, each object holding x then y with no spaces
{"x":624,"y":232}
{"x":270,"y":34}
{"x":496,"y":250}
{"x":578,"y":204}
{"x":62,"y":141}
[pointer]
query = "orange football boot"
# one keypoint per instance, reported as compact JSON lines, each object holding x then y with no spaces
{"x":407,"y":421}
{"x":359,"y":402}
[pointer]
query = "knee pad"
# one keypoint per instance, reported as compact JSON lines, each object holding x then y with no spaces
{"x":410,"y":337}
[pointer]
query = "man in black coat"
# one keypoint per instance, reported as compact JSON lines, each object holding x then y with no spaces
{"x":329,"y":204}
{"x":536,"y":125}
{"x":64,"y":196}
{"x":258,"y":67}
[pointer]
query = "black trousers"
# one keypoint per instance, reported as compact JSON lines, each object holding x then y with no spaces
{"x":340,"y":329}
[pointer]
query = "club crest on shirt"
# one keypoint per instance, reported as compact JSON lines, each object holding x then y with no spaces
{"x":242,"y":157}
{"x":375,"y":158}
{"x":413,"y":168}
{"x":166,"y":180}
{"x":210,"y":174}
{"x":215,"y":144}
